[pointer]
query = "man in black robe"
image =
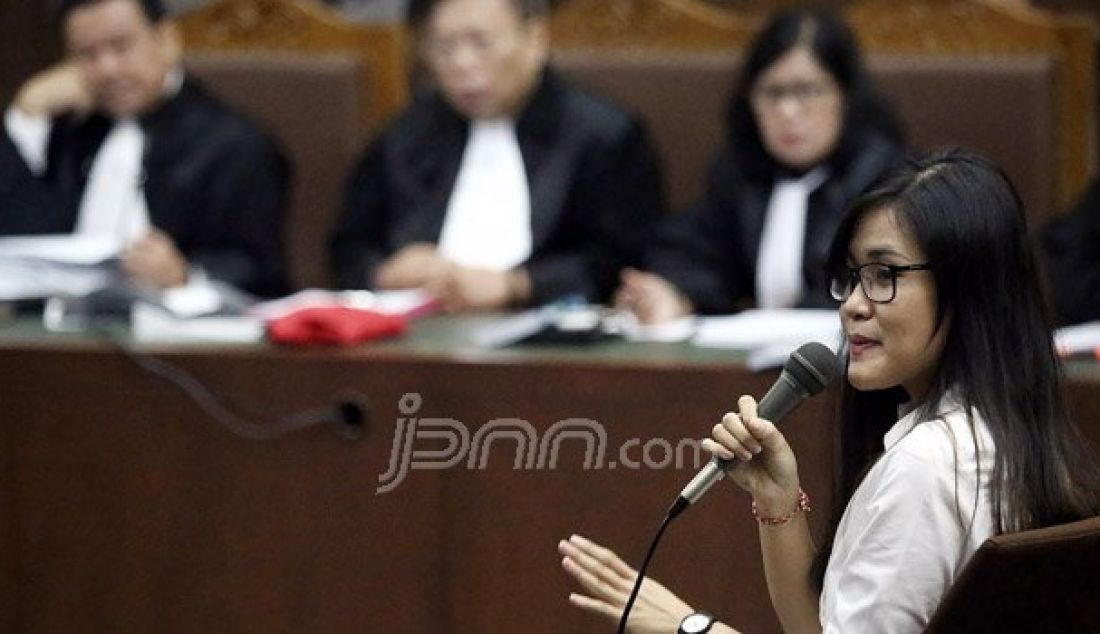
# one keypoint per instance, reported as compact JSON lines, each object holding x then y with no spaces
{"x":118,"y":141}
{"x":501,"y":185}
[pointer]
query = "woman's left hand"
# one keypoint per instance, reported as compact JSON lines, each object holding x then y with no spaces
{"x":766,"y":466}
{"x":608,"y":580}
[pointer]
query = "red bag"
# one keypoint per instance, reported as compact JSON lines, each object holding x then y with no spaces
{"x":335,"y":325}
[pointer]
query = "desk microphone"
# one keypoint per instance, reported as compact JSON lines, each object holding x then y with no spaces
{"x":808,"y":370}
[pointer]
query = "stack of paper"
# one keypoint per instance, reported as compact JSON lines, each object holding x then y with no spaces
{"x":34,"y":267}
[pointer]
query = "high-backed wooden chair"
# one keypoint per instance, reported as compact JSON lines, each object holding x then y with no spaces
{"x":319,"y":84}
{"x":1011,"y":82}
{"x":1043,"y":580}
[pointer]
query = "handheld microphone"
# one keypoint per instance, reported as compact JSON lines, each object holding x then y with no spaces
{"x":808,"y":370}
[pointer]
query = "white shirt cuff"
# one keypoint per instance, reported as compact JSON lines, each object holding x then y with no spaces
{"x":29,"y":133}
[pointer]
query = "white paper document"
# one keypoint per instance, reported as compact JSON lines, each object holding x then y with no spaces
{"x":756,"y":328}
{"x":61,"y":249}
{"x":34,"y":280}
{"x":770,"y":336}
{"x":150,"y":323}
{"x":51,"y":265}
{"x":1077,"y":339}
{"x":507,"y":330}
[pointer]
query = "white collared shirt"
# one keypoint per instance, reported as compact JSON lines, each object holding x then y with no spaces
{"x":917,"y":517}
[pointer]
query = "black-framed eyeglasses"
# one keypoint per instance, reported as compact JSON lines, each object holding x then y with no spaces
{"x":803,"y":93}
{"x":879,"y":281}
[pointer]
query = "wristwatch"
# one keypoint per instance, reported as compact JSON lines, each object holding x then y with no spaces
{"x":697,"y":623}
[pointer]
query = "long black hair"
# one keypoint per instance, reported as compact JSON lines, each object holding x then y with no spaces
{"x":834,"y":47}
{"x":998,"y":356}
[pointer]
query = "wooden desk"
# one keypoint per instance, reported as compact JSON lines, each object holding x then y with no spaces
{"x":125,"y":507}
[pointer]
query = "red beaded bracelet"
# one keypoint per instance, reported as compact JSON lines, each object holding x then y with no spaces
{"x":802,"y":504}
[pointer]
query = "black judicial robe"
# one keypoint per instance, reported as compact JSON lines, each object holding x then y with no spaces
{"x":593,"y":177}
{"x":709,"y":252}
{"x":214,"y":182}
{"x":1070,"y":246}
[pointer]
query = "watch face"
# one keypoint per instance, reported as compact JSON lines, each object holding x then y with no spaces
{"x":696,"y":623}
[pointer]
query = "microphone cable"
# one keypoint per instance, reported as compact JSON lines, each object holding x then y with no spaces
{"x":348,"y":415}
{"x":677,"y":507}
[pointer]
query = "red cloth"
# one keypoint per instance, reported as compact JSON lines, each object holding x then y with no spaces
{"x":335,"y":324}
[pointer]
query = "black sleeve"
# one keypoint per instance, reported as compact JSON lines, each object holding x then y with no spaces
{"x":27,"y":204}
{"x":356,"y":246}
{"x":247,"y":211}
{"x":1070,"y":246}
{"x":616,"y":202}
{"x":695,"y":249}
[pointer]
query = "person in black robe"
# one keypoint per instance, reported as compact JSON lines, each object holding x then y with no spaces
{"x":591,"y":175}
{"x":212,"y":185}
{"x":1070,"y":246}
{"x":803,"y":115}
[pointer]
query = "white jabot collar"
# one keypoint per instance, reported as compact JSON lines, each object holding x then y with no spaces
{"x":779,"y":280}
{"x":488,"y":221}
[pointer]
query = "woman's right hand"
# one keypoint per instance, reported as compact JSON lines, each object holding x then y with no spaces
{"x":767,"y":468}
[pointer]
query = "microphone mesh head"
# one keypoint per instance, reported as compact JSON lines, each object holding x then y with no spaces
{"x":813,"y":365}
